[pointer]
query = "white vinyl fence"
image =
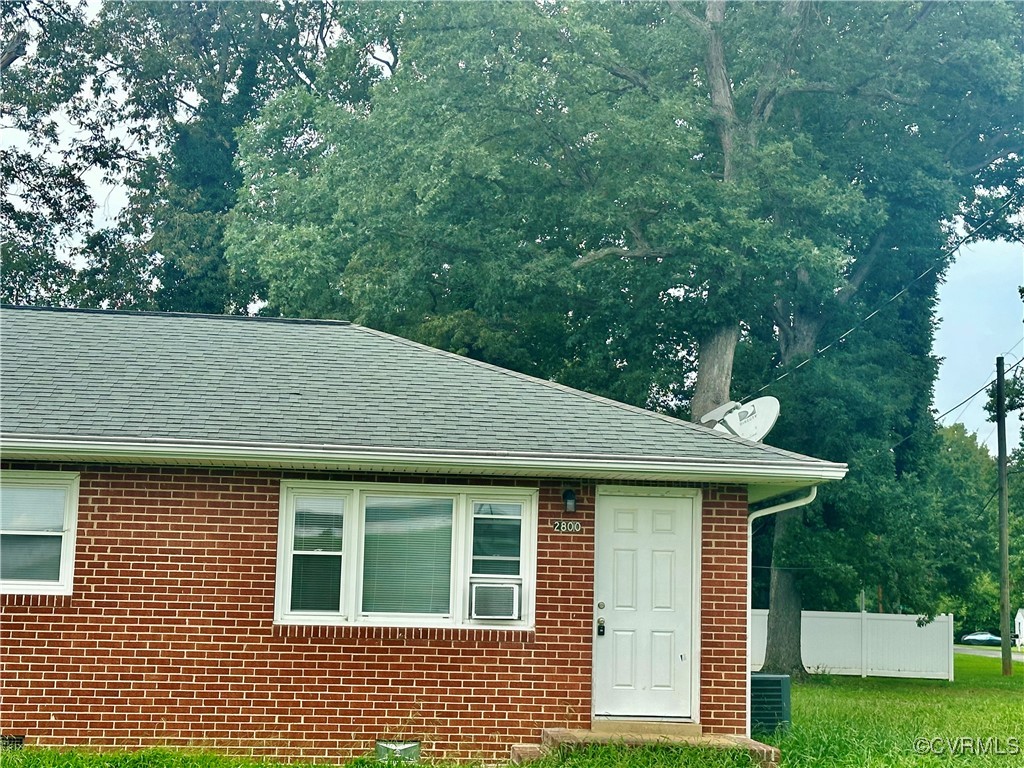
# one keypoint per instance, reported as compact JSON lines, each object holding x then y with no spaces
{"x":866,"y":644}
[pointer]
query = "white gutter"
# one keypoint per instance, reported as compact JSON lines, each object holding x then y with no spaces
{"x":653,"y":467}
{"x":751,"y":518}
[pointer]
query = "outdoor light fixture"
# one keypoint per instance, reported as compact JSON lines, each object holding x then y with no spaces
{"x":569,"y":497}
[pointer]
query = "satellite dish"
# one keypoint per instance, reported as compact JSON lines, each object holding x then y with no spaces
{"x":751,"y":421}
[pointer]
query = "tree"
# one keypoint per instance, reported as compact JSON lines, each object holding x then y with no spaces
{"x":1014,"y":401}
{"x":964,"y":478}
{"x":926,"y":160}
{"x":774,"y":174}
{"x":52,"y":108}
{"x":194,"y":73}
{"x":443,"y":211}
{"x":115,"y":273}
{"x":1016,"y":494}
{"x":152,"y":94}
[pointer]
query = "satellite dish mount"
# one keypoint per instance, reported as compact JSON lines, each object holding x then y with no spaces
{"x":751,"y":421}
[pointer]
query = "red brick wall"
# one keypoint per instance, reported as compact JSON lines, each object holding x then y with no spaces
{"x":168,"y":639}
{"x":723,"y":610}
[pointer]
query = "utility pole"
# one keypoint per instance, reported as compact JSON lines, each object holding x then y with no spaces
{"x":1004,"y":522}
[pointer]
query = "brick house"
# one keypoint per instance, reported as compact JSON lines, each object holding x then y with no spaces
{"x":294,"y":538}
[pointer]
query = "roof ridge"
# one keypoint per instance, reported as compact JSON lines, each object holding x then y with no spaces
{"x":578,"y":392}
{"x":158,"y":313}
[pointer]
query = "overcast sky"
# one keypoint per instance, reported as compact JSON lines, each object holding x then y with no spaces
{"x":981,"y":318}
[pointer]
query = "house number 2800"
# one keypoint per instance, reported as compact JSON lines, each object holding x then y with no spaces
{"x":567,"y":526}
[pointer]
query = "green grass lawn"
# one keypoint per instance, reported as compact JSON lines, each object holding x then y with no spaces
{"x":838,"y":722}
{"x":874,"y":722}
{"x":849,"y":722}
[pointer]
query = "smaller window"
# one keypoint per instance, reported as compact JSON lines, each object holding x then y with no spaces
{"x":497,"y":576}
{"x":38,"y":516}
{"x":317,"y":553}
{"x":497,"y":538}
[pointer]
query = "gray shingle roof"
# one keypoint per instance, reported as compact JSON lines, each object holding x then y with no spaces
{"x":211,"y":379}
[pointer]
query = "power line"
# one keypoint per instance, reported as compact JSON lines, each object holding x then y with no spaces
{"x":1017,"y":344}
{"x":987,"y":437}
{"x":984,"y":386}
{"x":790,"y":567}
{"x":967,"y":399}
{"x":985,"y":508}
{"x":940,"y":259}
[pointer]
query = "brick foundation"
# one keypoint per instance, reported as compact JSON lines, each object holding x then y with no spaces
{"x":169,"y":640}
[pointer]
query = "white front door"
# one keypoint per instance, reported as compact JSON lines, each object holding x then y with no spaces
{"x":645,"y":555}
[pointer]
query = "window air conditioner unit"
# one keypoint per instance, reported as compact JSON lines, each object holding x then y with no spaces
{"x":495,"y":601}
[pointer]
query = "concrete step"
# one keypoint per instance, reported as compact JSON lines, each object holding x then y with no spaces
{"x":646,"y":727}
{"x":765,"y":755}
{"x":524,"y":753}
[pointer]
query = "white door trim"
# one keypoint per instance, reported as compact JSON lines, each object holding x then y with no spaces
{"x":695,"y":636}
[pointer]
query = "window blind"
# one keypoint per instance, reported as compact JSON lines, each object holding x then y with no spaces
{"x":407,"y":555}
{"x":31,"y":532}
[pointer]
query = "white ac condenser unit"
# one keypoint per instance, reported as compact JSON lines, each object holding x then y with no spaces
{"x":495,"y":601}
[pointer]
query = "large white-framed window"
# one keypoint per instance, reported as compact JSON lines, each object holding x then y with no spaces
{"x":38,"y":519}
{"x":393,"y":554}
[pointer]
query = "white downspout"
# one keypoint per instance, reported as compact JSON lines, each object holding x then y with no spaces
{"x":751,"y":518}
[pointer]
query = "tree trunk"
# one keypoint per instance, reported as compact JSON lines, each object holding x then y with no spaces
{"x":715,"y":359}
{"x":717,"y":349}
{"x":782,"y":655}
{"x":782,"y":648}
{"x":714,"y":369}
{"x":721,"y":87}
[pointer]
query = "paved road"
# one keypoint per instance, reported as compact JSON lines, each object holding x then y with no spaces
{"x":980,"y":650}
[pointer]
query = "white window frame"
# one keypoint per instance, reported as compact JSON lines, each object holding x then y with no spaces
{"x":463,"y":497}
{"x":68,"y":482}
{"x":471,"y":578}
